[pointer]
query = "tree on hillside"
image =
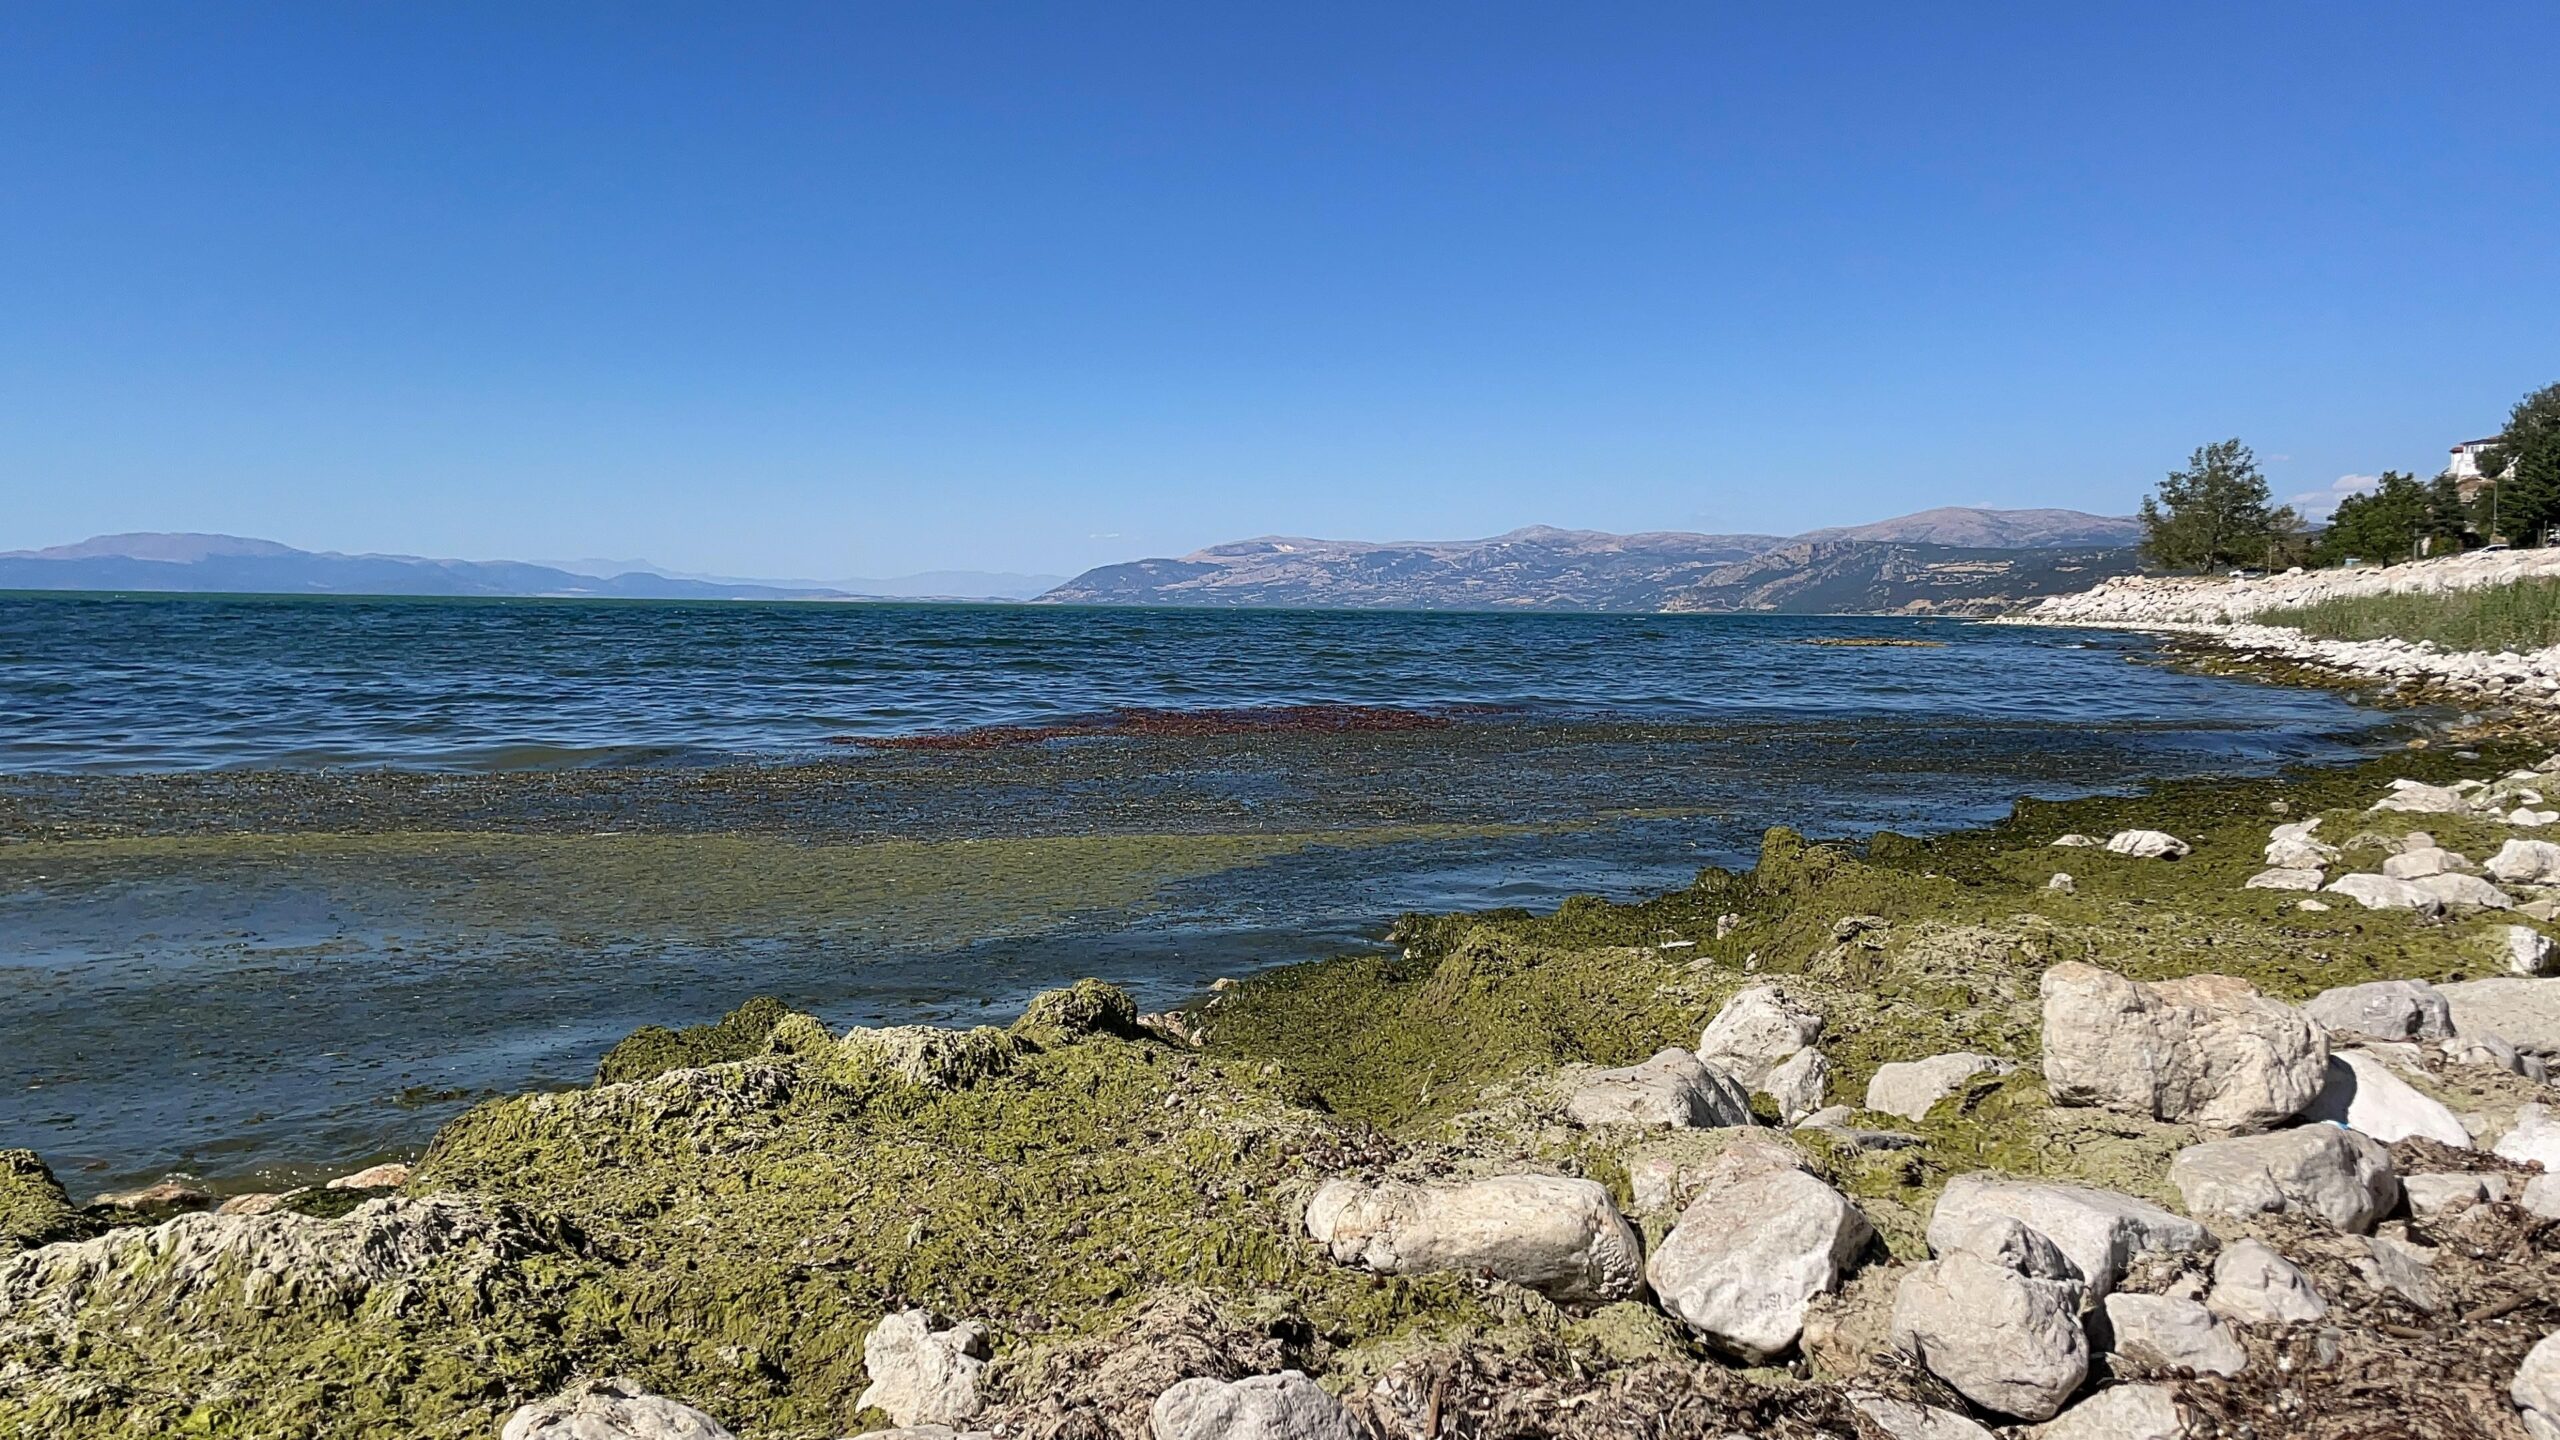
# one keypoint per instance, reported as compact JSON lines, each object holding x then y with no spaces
{"x":2382,"y":524}
{"x":2528,"y":501}
{"x":2214,"y":512}
{"x":2448,"y":524}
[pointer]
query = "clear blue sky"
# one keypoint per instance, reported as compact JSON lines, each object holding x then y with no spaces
{"x":848,"y":289}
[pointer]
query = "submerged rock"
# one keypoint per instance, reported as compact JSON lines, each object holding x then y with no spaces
{"x":2320,"y":1170}
{"x":1759,"y":1241}
{"x":2003,"y":1340}
{"x":2206,"y":1050}
{"x":921,"y":1375}
{"x":1673,"y":1088}
{"x":610,"y":1409}
{"x":1286,"y":1406}
{"x":1557,"y":1236}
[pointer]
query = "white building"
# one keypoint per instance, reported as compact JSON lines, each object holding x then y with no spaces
{"x":2465,"y":467}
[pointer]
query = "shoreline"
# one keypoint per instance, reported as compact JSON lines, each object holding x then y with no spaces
{"x":1126,"y":1201}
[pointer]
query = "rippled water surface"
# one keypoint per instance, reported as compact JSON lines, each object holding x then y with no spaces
{"x":285,"y":883}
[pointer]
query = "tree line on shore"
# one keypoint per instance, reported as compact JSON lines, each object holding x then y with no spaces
{"x":2217,"y":511}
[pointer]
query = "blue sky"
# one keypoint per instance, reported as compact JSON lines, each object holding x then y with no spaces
{"x":853,"y":289}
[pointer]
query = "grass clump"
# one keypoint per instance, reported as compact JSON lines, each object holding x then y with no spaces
{"x":2521,"y":615}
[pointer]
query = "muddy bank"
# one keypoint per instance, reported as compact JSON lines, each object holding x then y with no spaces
{"x":1123,"y":1202}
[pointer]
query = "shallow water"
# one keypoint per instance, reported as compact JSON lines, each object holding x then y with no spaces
{"x":284,"y":884}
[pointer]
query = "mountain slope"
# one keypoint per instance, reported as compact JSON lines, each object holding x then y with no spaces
{"x":214,"y":564}
{"x":1955,"y":559}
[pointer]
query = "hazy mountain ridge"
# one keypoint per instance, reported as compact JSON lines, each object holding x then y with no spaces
{"x":1948,"y":560}
{"x":216,"y":564}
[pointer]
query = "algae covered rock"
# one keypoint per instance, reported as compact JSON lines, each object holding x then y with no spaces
{"x":611,"y":1409}
{"x":2207,"y":1050}
{"x":34,"y":1208}
{"x":925,"y":1055}
{"x":654,"y":1050}
{"x":1286,"y":1406}
{"x":1079,"y":1012}
{"x":1558,"y":1236}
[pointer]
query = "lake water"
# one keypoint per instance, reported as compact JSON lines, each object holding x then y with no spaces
{"x":286,"y":882}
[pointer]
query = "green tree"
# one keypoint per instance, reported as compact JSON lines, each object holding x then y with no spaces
{"x":2383,"y":524}
{"x":2528,"y":500}
{"x":2448,"y":525}
{"x":2214,"y":512}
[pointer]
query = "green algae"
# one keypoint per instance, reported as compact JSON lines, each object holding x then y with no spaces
{"x":34,"y":1208}
{"x":654,"y":1050}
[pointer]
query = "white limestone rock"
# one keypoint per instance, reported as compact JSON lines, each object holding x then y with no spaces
{"x":2420,"y":863}
{"x":2077,"y":842}
{"x":2438,"y":1194}
{"x":2207,"y":1050}
{"x":1905,"y":1421}
{"x":2004,"y":1341}
{"x":2179,"y":1334}
{"x":2323,"y":1170}
{"x":610,"y":1409}
{"x":2465,"y":892}
{"x":2526,"y":1012}
{"x":2536,"y":1389}
{"x":2365,"y":1096}
{"x":1286,"y":1406}
{"x":1760,"y":1240}
{"x":2148,"y":845}
{"x":2381,"y":892}
{"x":1673,"y":1088}
{"x":921,"y":1375}
{"x":1909,"y":1087}
{"x":1755,"y":1033}
{"x":2299,"y":853}
{"x":2523,"y":950}
{"x":2401,"y":1269}
{"x":2062,"y":884}
{"x":2484,"y":1048}
{"x":2119,"y":1412}
{"x":2284,"y":878}
{"x":1797,"y":1083}
{"x":2098,"y":1231}
{"x":2535,"y":1136}
{"x":2382,"y":1010}
{"x":2412,"y":797}
{"x":2525,"y":862}
{"x":2253,"y":1285}
{"x":1558,"y":1236}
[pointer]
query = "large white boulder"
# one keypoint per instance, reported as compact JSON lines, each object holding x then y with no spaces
{"x":2364,"y":1095}
{"x":2422,"y":861}
{"x":2119,"y":1412}
{"x":2381,"y":892}
{"x":2284,"y":878}
{"x":2207,"y":1050}
{"x":2098,"y":1231}
{"x":2523,"y":949}
{"x":2148,"y":845}
{"x":2525,"y":862}
{"x":1558,"y":1236}
{"x":1909,"y":1087}
{"x":2162,"y":1330}
{"x":2536,"y":1389}
{"x":2299,"y":852}
{"x":2535,"y":1136}
{"x":921,"y":1375}
{"x":2525,"y":1012}
{"x":2253,"y":1285}
{"x":2465,"y":892}
{"x":1673,"y":1088}
{"x":1286,"y":1406}
{"x":2412,"y":797}
{"x":1755,"y":1033}
{"x":2434,"y":1194}
{"x":610,"y":1409}
{"x":2004,"y":1341}
{"x":1759,"y":1241}
{"x":2323,"y":1170}
{"x":2383,"y":1010}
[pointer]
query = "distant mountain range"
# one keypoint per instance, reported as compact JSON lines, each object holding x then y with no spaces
{"x":1945,"y":561}
{"x":237,"y":565}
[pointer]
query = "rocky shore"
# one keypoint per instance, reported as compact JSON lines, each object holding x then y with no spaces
{"x":2205,"y":1112}
{"x":2223,"y":610}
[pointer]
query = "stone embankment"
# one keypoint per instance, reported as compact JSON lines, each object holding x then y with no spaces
{"x":2225,"y":609}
